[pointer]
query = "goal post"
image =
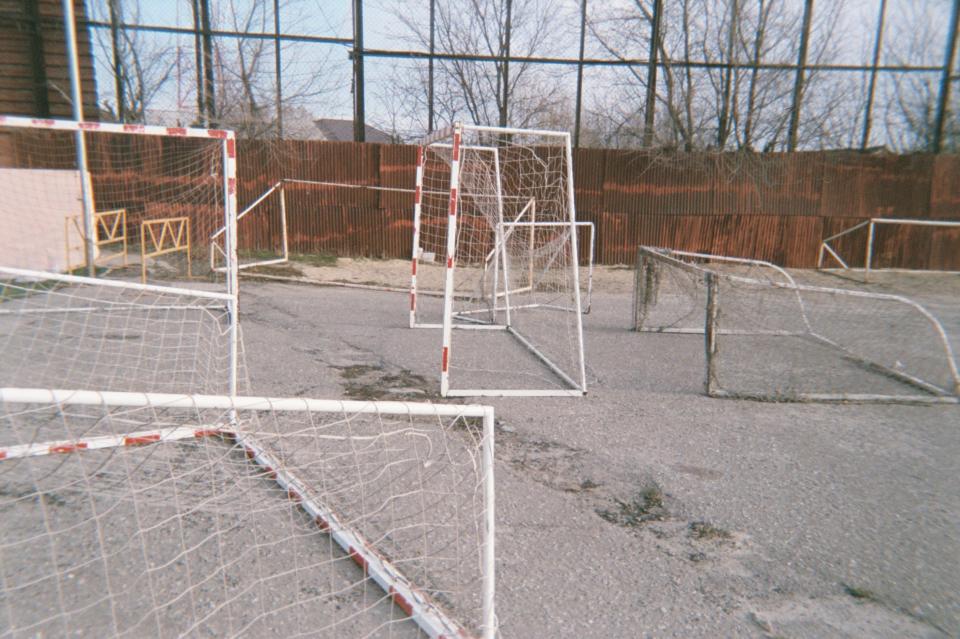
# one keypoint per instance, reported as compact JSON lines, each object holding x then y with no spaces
{"x":54,"y":170}
{"x":769,"y":338}
{"x":162,"y":514}
{"x":495,"y":228}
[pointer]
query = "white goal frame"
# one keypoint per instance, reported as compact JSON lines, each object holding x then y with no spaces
{"x":416,"y":604}
{"x":452,"y":138}
{"x":228,"y":144}
{"x":714,"y":282}
{"x":871,"y":225}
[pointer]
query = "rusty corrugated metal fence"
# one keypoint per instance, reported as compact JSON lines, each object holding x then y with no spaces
{"x":769,"y":206}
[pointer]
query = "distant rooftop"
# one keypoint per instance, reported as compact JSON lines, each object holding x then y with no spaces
{"x":342,"y":131}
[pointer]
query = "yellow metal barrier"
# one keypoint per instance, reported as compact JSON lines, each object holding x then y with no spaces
{"x":162,"y":236}
{"x":110,"y":227}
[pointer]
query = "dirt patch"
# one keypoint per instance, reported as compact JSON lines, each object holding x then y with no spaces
{"x":369,"y":382}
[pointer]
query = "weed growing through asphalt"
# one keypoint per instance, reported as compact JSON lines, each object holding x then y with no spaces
{"x":704,"y":531}
{"x":647,"y":506}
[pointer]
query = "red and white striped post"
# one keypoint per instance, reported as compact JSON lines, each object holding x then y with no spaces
{"x":417,"y":208}
{"x":451,"y":259}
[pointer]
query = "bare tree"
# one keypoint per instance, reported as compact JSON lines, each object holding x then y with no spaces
{"x":482,"y":91}
{"x":719,"y":106}
{"x":245,"y":74}
{"x":917,"y":36}
{"x":141,"y":64}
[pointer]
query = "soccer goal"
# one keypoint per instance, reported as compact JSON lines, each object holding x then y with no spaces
{"x":495,"y":228}
{"x":769,"y":338}
{"x":61,"y":179}
{"x":857,"y":248}
{"x":143,"y":496}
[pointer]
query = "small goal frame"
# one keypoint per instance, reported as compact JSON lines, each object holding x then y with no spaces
{"x":452,"y":138}
{"x":646,"y":292}
{"x":871,"y":224}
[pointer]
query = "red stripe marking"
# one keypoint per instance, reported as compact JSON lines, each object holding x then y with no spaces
{"x":416,"y":196}
{"x":413,"y":301}
{"x":449,"y":262}
{"x":211,"y":432}
{"x":358,"y":559}
{"x":176,"y":130}
{"x":90,"y":126}
{"x":414,"y":265}
{"x":134,"y":128}
{"x":67,"y":448}
{"x":321,"y":523}
{"x":453,"y":202}
{"x":444,"y":359}
{"x":269,"y":472}
{"x":294,"y":495}
{"x":3,"y":118}
{"x":40,"y":122}
{"x":143,"y":439}
{"x":3,"y":454}
{"x":456,"y":147}
{"x":249,"y":452}
{"x":231,"y":148}
{"x":232,"y":185}
{"x":419,"y":155}
{"x":401,"y":601}
{"x":217,"y":133}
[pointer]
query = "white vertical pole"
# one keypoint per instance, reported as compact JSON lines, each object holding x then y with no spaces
{"x":489,"y":517}
{"x":415,"y":255}
{"x":229,"y":147}
{"x":76,"y":95}
{"x":575,"y":257}
{"x":451,"y":260}
{"x":283,"y":221}
{"x":500,"y":239}
{"x":869,"y":258}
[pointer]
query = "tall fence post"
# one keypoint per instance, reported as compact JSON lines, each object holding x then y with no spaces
{"x":793,"y":132}
{"x":359,"y":118}
{"x":433,"y":30}
{"x":278,"y":67}
{"x":76,"y":95}
{"x":871,"y":90}
{"x":651,"y":101}
{"x":579,"y":105}
{"x":505,"y":103}
{"x":944,"y":95}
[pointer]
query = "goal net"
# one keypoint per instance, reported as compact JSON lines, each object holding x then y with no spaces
{"x":155,"y":501}
{"x":495,"y":229}
{"x":73,"y":187}
{"x":769,"y":338}
{"x":131,"y":514}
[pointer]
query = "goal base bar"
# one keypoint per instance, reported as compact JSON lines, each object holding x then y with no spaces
{"x":834,"y":398}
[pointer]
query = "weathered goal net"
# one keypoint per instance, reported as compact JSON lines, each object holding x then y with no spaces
{"x":121,"y":194}
{"x":495,"y":230}
{"x":769,"y":338}
{"x":143,"y":496}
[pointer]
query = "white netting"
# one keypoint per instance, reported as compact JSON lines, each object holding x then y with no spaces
{"x":148,"y":177}
{"x":515,"y":260}
{"x":140,"y":518}
{"x":130,"y":514}
{"x":770,"y":338}
{"x":60,"y":331}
